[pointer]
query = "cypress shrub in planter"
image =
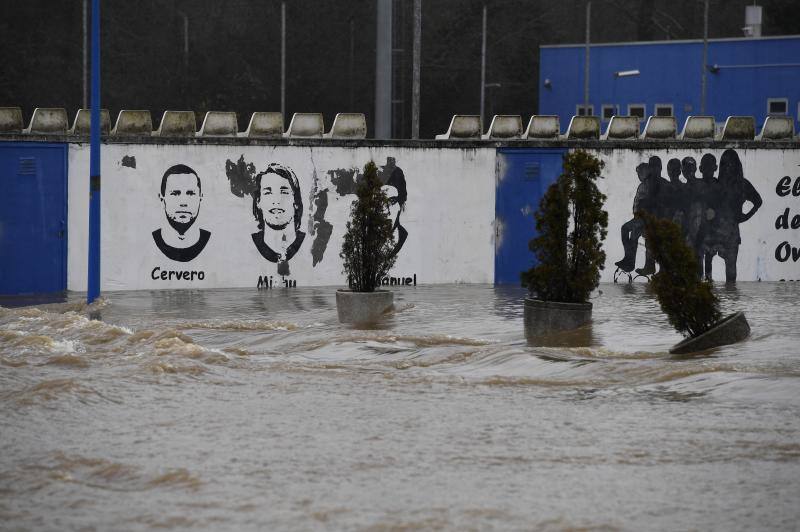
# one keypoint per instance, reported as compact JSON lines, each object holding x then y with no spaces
{"x":689,"y":302}
{"x":367,"y":253}
{"x":571,"y":226}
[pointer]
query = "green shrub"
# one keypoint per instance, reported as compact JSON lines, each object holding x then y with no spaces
{"x":689,"y":303}
{"x":368,"y":247}
{"x":571,"y":226}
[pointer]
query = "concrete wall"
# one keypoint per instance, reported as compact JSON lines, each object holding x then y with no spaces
{"x":448,"y":215}
{"x":766,"y":252}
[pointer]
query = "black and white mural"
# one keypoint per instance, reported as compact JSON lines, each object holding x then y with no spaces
{"x":708,"y":208}
{"x":728,"y":203}
{"x":207,"y":215}
{"x":278,"y":210}
{"x":179,"y":238}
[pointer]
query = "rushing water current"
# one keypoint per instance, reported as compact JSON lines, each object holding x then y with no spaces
{"x":257,"y":410}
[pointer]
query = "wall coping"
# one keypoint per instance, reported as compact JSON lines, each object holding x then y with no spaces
{"x":594,"y":144}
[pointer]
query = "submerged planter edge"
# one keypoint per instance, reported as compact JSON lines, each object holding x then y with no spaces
{"x":362,"y":307}
{"x":729,"y":330}
{"x":546,"y":317}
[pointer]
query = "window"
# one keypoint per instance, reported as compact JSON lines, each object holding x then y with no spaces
{"x":636,"y":109}
{"x":609,"y":111}
{"x":663,"y":109}
{"x":777,"y":106}
{"x":580,"y":110}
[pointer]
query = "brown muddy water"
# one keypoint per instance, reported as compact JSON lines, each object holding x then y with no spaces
{"x":256,"y":410}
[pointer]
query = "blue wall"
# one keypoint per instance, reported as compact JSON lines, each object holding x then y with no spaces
{"x":671,"y":73}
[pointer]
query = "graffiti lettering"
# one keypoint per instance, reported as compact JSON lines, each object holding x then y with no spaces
{"x":782,"y":221}
{"x":783,"y":189}
{"x":391,"y":281}
{"x":179,"y":275}
{"x":784,"y":251}
{"x":268,"y":282}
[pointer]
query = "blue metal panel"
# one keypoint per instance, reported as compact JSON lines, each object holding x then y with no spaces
{"x":33,"y":217}
{"x":670,"y":73}
{"x":523,"y":176}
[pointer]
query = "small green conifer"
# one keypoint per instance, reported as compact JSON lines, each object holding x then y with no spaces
{"x":368,"y":247}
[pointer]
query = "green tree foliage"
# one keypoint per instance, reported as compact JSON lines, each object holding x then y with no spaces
{"x":571,"y":226}
{"x":689,"y":303}
{"x":368,"y":247}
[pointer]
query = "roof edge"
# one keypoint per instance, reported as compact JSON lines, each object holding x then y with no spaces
{"x":673,"y":41}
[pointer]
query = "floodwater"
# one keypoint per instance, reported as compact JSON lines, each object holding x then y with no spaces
{"x":257,"y":410}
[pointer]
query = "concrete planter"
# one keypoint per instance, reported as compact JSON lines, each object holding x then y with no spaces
{"x":362,"y":307}
{"x":728,"y":331}
{"x":543,"y":318}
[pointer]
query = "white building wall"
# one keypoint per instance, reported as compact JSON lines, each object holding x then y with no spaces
{"x":449,"y":215}
{"x":760,"y":239}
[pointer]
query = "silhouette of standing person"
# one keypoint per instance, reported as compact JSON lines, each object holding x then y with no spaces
{"x":734,"y":192}
{"x":632,"y":230}
{"x":673,"y":197}
{"x":652,"y":206}
{"x":694,"y":209}
{"x":707,"y":190}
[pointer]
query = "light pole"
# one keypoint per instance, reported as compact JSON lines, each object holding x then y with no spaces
{"x":415,"y":74}
{"x":586,"y":60}
{"x":705,"y":60}
{"x":283,"y":60}
{"x":93,"y":274}
{"x":483,"y":65}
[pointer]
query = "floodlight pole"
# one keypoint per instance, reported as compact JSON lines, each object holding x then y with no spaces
{"x":85,"y":23}
{"x":586,"y":60}
{"x":93,"y":284}
{"x":705,"y":61}
{"x":283,"y":60}
{"x":483,"y":65}
{"x":415,"y":76}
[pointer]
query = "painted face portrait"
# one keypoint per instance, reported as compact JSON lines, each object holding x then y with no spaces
{"x":395,"y":190}
{"x":276,"y":200}
{"x":181,"y":198}
{"x":278,"y":210}
{"x":180,"y":195}
{"x":394,"y":203}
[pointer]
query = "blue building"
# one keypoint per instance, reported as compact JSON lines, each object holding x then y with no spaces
{"x":745,"y":76}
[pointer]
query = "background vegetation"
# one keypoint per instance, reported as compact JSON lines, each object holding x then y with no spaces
{"x":234,"y":52}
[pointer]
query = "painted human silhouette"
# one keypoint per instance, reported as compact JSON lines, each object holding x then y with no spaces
{"x":278,"y":210}
{"x":643,"y":201}
{"x":181,"y":194}
{"x":708,"y":210}
{"x":722,"y":236}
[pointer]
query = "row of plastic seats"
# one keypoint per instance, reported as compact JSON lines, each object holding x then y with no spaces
{"x":53,"y":121}
{"x":543,"y":127}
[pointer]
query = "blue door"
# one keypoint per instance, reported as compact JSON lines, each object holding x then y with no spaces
{"x":33,"y":217}
{"x":523,"y":175}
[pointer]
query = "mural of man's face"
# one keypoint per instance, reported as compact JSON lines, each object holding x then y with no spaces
{"x":181,"y":201}
{"x":394,"y":204}
{"x":276,"y":200}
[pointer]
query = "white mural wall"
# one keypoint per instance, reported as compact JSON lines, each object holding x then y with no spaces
{"x":203,"y":216}
{"x":740,"y":209}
